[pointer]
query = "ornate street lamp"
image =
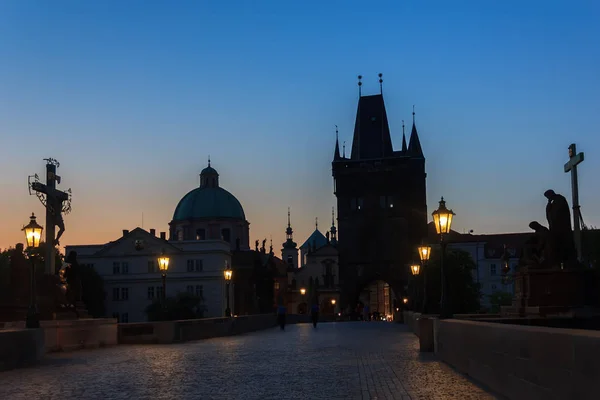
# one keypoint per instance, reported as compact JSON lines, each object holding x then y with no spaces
{"x":442,"y":218}
{"x":33,"y":234}
{"x":424,"y":254}
{"x":405,"y":300}
{"x":333,"y":302}
{"x":228,"y":273}
{"x":163,"y":266}
{"x":415,"y":269}
{"x":302,"y":291}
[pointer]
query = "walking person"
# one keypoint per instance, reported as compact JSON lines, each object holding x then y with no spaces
{"x":315,"y":314}
{"x":281,"y":310}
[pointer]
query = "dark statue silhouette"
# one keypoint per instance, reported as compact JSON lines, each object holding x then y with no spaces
{"x":552,"y":247}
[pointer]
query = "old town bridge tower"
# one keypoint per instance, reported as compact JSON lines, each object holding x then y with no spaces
{"x":381,"y":201}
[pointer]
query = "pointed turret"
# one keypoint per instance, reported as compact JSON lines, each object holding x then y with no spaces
{"x":414,"y":144}
{"x":333,"y":228}
{"x":404,"y":148}
{"x":289,"y":235}
{"x":336,"y":153}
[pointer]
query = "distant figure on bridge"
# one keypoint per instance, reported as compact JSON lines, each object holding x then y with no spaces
{"x":314,"y":311}
{"x":281,"y":315}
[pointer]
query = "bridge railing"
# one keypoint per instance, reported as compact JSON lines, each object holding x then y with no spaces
{"x":191,"y":329}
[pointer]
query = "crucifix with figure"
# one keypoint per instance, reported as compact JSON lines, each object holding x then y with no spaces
{"x":56,"y":203}
{"x":571,"y":166}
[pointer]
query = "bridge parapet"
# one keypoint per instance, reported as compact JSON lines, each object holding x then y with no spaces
{"x":192,"y":329}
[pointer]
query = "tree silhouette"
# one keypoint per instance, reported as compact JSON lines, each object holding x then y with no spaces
{"x":463,"y":293}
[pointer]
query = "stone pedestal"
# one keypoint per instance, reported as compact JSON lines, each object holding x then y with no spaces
{"x":544,"y":292}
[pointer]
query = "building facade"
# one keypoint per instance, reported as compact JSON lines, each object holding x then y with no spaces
{"x":208,"y":226}
{"x":132,"y":281}
{"x":315,"y":278}
{"x":490,"y":254}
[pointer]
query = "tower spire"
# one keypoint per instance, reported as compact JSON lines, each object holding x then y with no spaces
{"x":333,"y":228}
{"x":209,"y":160}
{"x":289,"y":235}
{"x":403,"y":138}
{"x":380,"y":83}
{"x":344,"y":149}
{"x":414,"y":144}
{"x":317,"y":223}
{"x":336,"y":153}
{"x":359,"y":85}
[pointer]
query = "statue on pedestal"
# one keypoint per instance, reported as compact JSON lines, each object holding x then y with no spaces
{"x":561,"y":238}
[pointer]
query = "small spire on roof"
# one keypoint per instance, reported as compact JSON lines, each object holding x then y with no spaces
{"x":381,"y":83}
{"x":336,"y":153}
{"x":413,"y":114}
{"x":332,"y":216}
{"x":344,"y":151}
{"x":289,"y":222}
{"x":209,"y":160}
{"x":404,"y":147}
{"x":317,"y":223}
{"x":359,"y":85}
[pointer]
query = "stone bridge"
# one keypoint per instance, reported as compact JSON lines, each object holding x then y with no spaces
{"x":351,"y":360}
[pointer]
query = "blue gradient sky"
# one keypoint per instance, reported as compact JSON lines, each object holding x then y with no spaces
{"x":131,"y":97}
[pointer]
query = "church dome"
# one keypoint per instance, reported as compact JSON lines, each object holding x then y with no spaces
{"x":209,"y":200}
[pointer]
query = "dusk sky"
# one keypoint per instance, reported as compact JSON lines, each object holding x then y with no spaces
{"x":132,"y":96}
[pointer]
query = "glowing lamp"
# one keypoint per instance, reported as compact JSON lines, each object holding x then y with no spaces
{"x":228,"y":273}
{"x":442,"y":218}
{"x":333,"y":302}
{"x":302,"y":291}
{"x":33,"y":232}
{"x":424,"y":252}
{"x":405,"y":300}
{"x":163,"y":263}
{"x":415,"y":269}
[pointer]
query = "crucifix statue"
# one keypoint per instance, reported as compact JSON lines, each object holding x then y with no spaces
{"x":571,"y":166}
{"x":56,"y":203}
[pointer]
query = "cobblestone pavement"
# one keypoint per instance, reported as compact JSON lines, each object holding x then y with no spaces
{"x":352,"y":360}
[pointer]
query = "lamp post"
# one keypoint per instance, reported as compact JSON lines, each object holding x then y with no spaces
{"x":163,"y":266}
{"x":33,"y":234}
{"x":302,"y":291}
{"x":415,"y":269}
{"x":424,"y":254}
{"x":228,"y":273}
{"x":442,"y":218}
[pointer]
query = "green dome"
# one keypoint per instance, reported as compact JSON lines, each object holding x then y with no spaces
{"x":208,"y":202}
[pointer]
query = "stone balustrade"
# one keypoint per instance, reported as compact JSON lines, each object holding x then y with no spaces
{"x":193,"y":329}
{"x":523,"y":362}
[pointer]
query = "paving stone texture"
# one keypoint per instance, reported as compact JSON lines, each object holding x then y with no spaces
{"x":351,"y":360}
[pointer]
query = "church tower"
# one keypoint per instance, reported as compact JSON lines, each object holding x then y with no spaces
{"x":289,"y":253}
{"x":381,"y":201}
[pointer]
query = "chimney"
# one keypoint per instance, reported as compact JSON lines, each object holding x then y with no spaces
{"x":163,"y":235}
{"x":125,"y":232}
{"x":153,"y":232}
